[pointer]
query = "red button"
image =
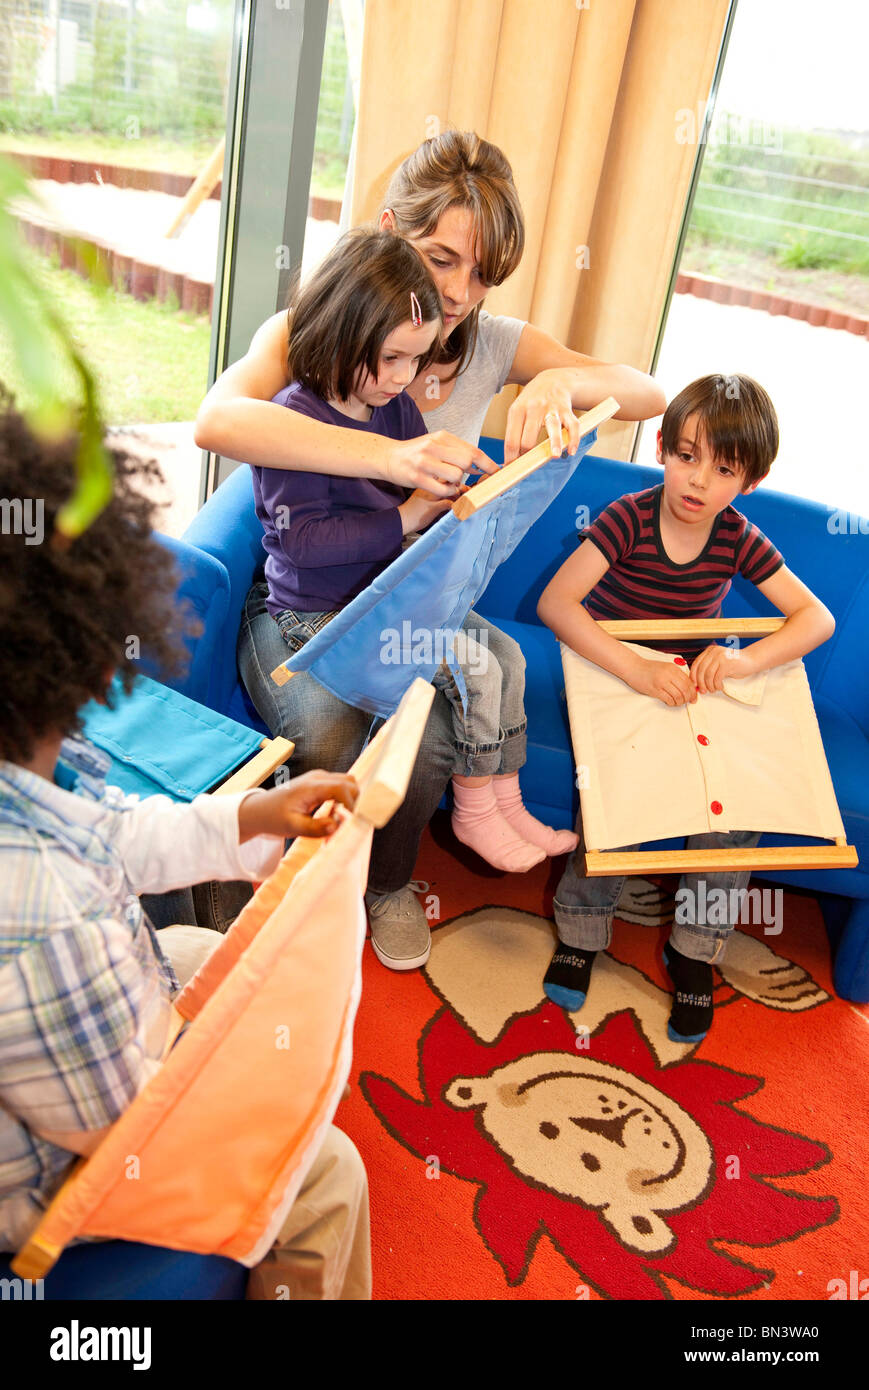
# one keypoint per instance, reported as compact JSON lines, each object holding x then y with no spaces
{"x":716,"y":808}
{"x":680,"y":661}
{"x":701,"y":738}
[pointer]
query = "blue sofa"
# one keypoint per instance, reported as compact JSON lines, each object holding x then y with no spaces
{"x":221,"y":551}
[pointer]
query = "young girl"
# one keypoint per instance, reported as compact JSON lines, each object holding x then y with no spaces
{"x":366,"y":323}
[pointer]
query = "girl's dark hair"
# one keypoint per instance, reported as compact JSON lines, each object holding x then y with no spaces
{"x":459,"y":169}
{"x":346,"y":310}
{"x":68,"y":615}
{"x":737,"y":418}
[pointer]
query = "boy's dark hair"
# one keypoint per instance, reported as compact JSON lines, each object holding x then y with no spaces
{"x":350,"y":304}
{"x":737,"y":418}
{"x":67,"y":614}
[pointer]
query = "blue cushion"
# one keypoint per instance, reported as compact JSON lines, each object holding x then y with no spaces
{"x":120,"y":1270}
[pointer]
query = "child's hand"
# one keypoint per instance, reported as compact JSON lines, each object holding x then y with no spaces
{"x":663,"y":680}
{"x":287,"y":811}
{"x":712,"y":665}
{"x":422,"y":508}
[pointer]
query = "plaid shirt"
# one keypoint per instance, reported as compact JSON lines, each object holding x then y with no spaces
{"x":85,"y":990}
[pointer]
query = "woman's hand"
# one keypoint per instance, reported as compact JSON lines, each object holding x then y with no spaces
{"x":545,"y":404}
{"x":421,"y":509}
{"x":435,"y":462}
{"x":714,"y":664}
{"x":287,"y":811}
{"x":663,"y":680}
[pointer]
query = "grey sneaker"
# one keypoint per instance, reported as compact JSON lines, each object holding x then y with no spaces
{"x":399,"y":930}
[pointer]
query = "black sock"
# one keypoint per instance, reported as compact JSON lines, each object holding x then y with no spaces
{"x":566,"y":980}
{"x":691,"y":1015}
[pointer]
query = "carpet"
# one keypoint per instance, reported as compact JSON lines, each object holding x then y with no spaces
{"x":518,"y":1152}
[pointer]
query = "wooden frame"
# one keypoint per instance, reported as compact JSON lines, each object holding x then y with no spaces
{"x":608,"y":863}
{"x":497,"y":483}
{"x":273,"y":753}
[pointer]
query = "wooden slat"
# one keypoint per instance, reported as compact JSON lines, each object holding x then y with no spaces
{"x":648,"y":629}
{"x":600,"y":863}
{"x":497,"y":483}
{"x":384,"y":789}
{"x":280,"y":675}
{"x":201,"y":188}
{"x":37,"y":1258}
{"x":273,"y":753}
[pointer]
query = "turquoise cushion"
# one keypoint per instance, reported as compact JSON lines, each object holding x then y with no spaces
{"x":160,"y":741}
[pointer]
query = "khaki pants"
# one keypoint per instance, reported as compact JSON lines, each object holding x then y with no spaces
{"x":323,"y":1250}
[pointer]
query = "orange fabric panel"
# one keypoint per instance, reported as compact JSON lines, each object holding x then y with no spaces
{"x":212,"y":1153}
{"x":264,"y":902}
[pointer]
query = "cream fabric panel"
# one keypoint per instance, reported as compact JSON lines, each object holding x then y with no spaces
{"x":746,"y":758}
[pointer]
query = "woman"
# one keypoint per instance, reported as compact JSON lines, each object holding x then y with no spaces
{"x":455,"y":202}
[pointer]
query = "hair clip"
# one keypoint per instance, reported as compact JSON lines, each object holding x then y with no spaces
{"x":415,"y":311}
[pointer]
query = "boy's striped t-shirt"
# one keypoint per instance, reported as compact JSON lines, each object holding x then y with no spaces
{"x":643,"y":582}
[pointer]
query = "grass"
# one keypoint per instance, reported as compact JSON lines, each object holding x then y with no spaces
{"x":805,"y":204}
{"x":744,"y":265}
{"x":151,"y":362}
{"x":150,"y":152}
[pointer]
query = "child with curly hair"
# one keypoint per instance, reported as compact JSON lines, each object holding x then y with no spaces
{"x":86,"y":983}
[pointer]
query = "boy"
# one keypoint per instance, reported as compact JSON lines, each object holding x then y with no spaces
{"x":85,"y":987}
{"x":671,"y":551}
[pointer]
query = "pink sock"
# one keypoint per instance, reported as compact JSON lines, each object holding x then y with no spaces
{"x":478,"y":823}
{"x":508,"y":796}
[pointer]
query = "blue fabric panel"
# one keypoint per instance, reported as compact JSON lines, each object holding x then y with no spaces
{"x":159,"y":741}
{"x":427,"y":590}
{"x":118,"y":1270}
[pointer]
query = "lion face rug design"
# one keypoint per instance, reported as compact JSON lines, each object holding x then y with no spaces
{"x":593,"y":1133}
{"x":632,"y":1155}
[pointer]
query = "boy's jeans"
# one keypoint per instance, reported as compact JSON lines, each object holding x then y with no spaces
{"x":584,"y":907}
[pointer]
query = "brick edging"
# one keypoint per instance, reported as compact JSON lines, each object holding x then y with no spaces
{"x":61,"y":170}
{"x":124,"y":272}
{"x":722,"y":292}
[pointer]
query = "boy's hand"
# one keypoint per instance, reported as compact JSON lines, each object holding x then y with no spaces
{"x":715,"y":663}
{"x":287,"y":811}
{"x":664,"y":681}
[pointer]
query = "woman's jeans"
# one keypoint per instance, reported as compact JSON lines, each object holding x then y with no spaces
{"x":330,"y":734}
{"x":584,"y":907}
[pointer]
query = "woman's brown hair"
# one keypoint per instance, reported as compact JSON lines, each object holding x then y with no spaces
{"x":346,"y":310}
{"x":459,"y":169}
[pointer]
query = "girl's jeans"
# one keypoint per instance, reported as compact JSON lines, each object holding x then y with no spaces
{"x":584,"y":907}
{"x":490,"y":732}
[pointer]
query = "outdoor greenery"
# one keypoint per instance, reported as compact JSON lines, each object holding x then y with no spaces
{"x":805,"y":203}
{"x":38,"y":341}
{"x":138,"y":72}
{"x":151,"y":361}
{"x":146,"y":81}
